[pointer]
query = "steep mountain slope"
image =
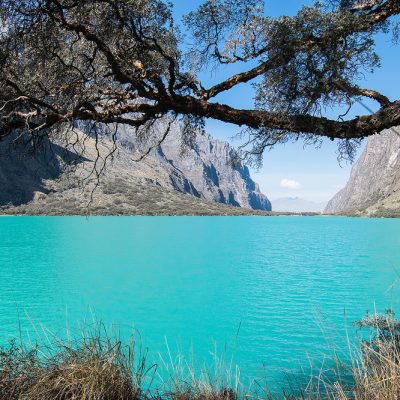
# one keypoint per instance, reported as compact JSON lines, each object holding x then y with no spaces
{"x":202,"y":168}
{"x":54,"y":180}
{"x":374,"y":184}
{"x":26,"y":173}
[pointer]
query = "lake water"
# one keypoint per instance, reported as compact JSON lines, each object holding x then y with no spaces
{"x":198,"y":282}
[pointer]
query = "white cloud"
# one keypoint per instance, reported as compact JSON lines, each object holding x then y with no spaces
{"x":290,"y":184}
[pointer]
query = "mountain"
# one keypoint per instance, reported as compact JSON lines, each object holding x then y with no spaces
{"x":65,"y":176}
{"x":203,"y":168}
{"x":297,"y":205}
{"x":374,"y":184}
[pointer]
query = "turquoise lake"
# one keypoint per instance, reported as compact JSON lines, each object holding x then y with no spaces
{"x":198,"y":282}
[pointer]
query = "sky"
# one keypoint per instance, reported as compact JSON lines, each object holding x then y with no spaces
{"x":292,"y":170}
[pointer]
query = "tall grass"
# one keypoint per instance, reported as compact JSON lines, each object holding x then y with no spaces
{"x":376,"y":370}
{"x":99,"y":366}
{"x":94,"y":366}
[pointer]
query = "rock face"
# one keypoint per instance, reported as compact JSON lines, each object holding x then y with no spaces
{"x":204,"y":170}
{"x":25,"y":172}
{"x":210,"y":174}
{"x":374,"y":184}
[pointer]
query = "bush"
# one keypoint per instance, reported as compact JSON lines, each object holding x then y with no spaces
{"x":95,"y":367}
{"x":377,"y":373}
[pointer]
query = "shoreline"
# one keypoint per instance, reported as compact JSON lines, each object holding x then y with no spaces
{"x":244,"y":214}
{"x":175,"y":215}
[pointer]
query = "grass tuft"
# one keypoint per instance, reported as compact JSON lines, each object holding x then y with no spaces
{"x":99,"y":366}
{"x":95,"y":367}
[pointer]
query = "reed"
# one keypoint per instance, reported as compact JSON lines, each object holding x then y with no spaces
{"x":98,"y":365}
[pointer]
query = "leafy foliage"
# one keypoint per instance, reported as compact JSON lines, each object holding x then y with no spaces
{"x":127,"y":62}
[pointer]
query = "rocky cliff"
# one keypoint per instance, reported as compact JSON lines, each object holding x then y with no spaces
{"x":203,"y":167}
{"x":167,"y":181}
{"x":374,"y":184}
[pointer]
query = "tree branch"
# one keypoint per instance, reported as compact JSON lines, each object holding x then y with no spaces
{"x":360,"y":127}
{"x":278,"y":60}
{"x":355,"y":90}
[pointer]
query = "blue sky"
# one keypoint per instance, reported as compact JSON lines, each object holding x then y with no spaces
{"x":290,"y":169}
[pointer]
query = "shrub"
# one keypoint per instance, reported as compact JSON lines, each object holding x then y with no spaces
{"x":96,"y":367}
{"x":377,"y":373}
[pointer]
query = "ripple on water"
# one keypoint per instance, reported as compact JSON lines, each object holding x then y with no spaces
{"x":196,"y":280}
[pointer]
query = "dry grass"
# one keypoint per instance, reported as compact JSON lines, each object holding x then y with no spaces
{"x":184,"y":382}
{"x":378,"y":374}
{"x":94,"y":367}
{"x":99,"y":366}
{"x":376,"y":370}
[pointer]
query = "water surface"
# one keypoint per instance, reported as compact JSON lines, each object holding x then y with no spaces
{"x":195,"y":280}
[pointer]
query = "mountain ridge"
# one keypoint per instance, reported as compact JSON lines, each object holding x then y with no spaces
{"x":40,"y":182}
{"x":373,"y":188}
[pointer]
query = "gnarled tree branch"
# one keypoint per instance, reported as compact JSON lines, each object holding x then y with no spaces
{"x":120,"y":61}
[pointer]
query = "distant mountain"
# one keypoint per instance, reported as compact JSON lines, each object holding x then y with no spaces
{"x":296,"y":204}
{"x":54,"y":180}
{"x":374,"y":184}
